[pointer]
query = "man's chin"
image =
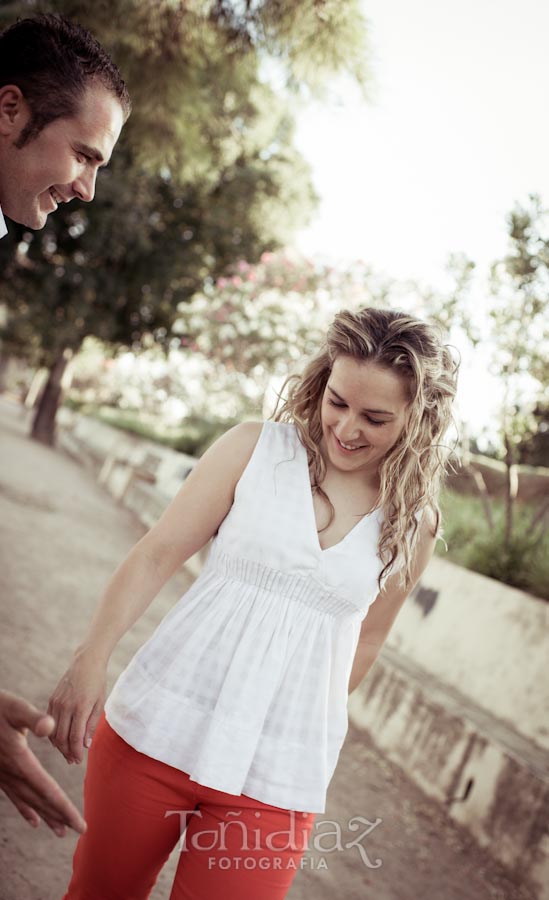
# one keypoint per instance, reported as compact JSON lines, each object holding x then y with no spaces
{"x":34,"y":218}
{"x":37,"y":221}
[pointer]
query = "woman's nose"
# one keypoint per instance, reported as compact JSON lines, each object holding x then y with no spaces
{"x":349,"y":427}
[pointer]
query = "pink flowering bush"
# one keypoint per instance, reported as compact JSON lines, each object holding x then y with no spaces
{"x":263,"y":319}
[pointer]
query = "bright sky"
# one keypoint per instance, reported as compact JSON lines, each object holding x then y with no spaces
{"x":457,"y":132}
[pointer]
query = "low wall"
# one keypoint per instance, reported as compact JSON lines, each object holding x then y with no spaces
{"x":532,"y":481}
{"x":490,"y":779}
{"x":484,"y":638}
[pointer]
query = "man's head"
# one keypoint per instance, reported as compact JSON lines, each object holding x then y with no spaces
{"x":62,"y":106}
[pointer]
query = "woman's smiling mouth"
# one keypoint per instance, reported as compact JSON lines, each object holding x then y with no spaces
{"x":349,"y":448}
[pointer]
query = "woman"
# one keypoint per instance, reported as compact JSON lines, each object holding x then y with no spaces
{"x":230,"y":719}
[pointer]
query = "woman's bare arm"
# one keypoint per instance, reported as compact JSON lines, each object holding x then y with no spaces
{"x":190,"y":520}
{"x":385,"y":608}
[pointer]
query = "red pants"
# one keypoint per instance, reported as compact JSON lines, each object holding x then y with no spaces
{"x":137,"y":809}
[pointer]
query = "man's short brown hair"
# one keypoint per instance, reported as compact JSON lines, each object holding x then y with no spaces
{"x":52,"y":61}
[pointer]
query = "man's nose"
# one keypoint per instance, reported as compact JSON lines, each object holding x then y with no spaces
{"x":84,"y":186}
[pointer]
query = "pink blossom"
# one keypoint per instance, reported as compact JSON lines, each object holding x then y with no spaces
{"x":236,"y":280}
{"x":222,"y":282}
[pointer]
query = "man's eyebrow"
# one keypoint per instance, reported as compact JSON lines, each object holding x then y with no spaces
{"x":384,"y":412}
{"x":91,"y":151}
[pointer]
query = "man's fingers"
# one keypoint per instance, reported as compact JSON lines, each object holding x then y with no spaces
{"x":34,"y":806}
{"x":40,"y":791}
{"x":56,"y":825}
{"x":29,"y":814}
{"x":22,"y":714}
{"x":24,"y":808}
{"x":26,"y":783}
{"x":44,"y":726}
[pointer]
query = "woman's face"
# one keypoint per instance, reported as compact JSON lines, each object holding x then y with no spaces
{"x":363,"y":413}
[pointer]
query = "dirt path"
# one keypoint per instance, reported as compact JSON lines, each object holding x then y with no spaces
{"x":61,"y":537}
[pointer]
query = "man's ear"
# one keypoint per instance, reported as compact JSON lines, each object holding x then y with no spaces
{"x":14,"y":111}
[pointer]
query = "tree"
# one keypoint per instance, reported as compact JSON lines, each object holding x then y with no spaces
{"x":238,"y":338}
{"x":520,"y":330}
{"x":262,"y":319}
{"x":205,"y":172}
{"x":515,"y":338}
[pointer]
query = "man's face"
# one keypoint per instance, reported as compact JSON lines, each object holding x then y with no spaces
{"x":62,"y":162}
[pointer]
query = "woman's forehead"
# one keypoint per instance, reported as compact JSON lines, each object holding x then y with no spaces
{"x":367,"y":380}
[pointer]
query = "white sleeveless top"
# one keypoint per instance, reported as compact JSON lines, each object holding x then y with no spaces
{"x":244,"y":684}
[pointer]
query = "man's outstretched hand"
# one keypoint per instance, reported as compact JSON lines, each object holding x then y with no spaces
{"x":23,"y":779}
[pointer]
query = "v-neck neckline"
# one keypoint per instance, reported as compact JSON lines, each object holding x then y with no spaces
{"x":309,"y":490}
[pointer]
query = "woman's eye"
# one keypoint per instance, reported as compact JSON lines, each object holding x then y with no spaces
{"x":344,"y":406}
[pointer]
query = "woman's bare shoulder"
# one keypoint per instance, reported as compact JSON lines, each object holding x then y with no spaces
{"x":234,"y":449}
{"x":243,"y":436}
{"x":429,"y":522}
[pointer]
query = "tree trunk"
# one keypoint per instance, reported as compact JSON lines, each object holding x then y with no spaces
{"x":477,"y":476}
{"x":4,"y":363}
{"x":511,"y":489}
{"x":37,"y":385}
{"x":480,"y":484}
{"x":43,"y":426}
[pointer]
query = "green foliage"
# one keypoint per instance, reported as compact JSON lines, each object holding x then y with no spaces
{"x":205,"y":172}
{"x":192,"y":436}
{"x":522,"y":563}
{"x":199,"y":433}
{"x":519,"y":323}
{"x":194,"y":67}
{"x":514,"y":335}
{"x":313,"y":37}
{"x":117,"y":268}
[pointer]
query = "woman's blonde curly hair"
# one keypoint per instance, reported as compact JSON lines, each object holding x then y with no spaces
{"x":412,"y":472}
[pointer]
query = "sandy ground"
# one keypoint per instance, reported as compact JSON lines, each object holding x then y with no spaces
{"x":62,"y":536}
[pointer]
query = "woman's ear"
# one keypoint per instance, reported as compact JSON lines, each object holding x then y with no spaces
{"x":14,"y":111}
